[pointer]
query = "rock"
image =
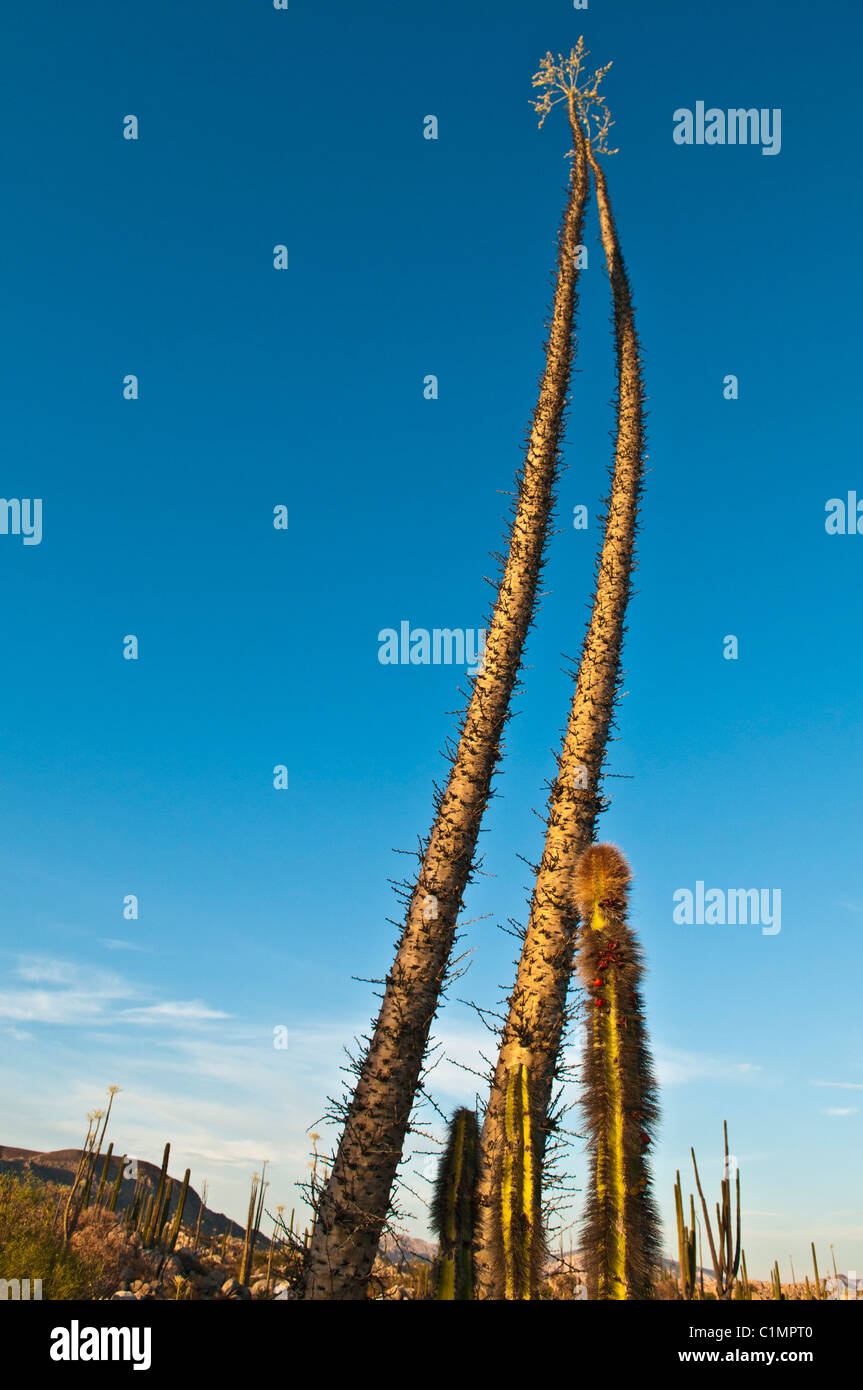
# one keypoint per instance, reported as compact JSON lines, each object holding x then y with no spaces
{"x":258,"y":1288}
{"x":125,"y":1294}
{"x":189,"y":1260}
{"x":231,"y":1286}
{"x":281,"y":1290}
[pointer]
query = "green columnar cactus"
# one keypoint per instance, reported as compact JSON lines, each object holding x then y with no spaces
{"x":143,"y":1197}
{"x":519,"y":1246}
{"x":152,"y":1228}
{"x":686,"y":1238}
{"x":246,"y":1257}
{"x":131,"y":1217}
{"x":105,"y":1166}
{"x":621,"y":1232}
{"x":271,"y":1253}
{"x":725,"y":1255}
{"x":260,"y":1211}
{"x":818,"y":1290}
{"x":144,"y":1218}
{"x":174,"y":1230}
{"x":453,"y":1207}
{"x":118,"y":1183}
{"x":162,"y":1219}
{"x":201,"y":1206}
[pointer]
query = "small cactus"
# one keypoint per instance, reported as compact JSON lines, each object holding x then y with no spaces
{"x":106,"y":1165}
{"x":118,"y":1183}
{"x":519,"y":1244}
{"x":178,"y":1214}
{"x":819,"y":1293}
{"x":725,"y":1251}
{"x":151,"y":1229}
{"x":621,"y":1232}
{"x":453,"y":1208}
{"x":686,"y":1237}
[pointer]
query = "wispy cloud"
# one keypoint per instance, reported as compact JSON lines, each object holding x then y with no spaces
{"x":179,"y":1011}
{"x":115,"y":944}
{"x":840,"y":1085}
{"x":677,"y":1067}
{"x":61,"y":993}
{"x":841,"y":1110}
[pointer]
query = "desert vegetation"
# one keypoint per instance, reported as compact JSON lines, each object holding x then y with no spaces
{"x":103,"y":1226}
{"x":127,"y":1244}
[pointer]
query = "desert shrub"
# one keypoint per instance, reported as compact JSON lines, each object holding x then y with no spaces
{"x":31,"y":1243}
{"x":106,"y":1248}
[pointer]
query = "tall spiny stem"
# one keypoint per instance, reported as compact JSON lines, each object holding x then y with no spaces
{"x":351,"y":1209}
{"x":537,"y":1008}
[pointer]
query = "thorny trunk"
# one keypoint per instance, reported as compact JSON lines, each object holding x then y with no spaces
{"x":352,"y":1207}
{"x":536,"y":1017}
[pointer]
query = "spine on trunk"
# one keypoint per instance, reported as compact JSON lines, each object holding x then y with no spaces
{"x":621,"y":1231}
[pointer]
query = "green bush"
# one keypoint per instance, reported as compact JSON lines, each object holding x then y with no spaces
{"x":31,"y":1245}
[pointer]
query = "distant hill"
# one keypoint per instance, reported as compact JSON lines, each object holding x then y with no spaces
{"x":59,"y":1166}
{"x":406,"y":1250}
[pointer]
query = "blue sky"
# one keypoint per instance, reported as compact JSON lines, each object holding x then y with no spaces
{"x":259,"y":647}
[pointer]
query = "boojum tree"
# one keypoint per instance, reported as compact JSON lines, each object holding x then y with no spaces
{"x":620,"y":1236}
{"x":352,"y":1207}
{"x":537,"y":1011}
